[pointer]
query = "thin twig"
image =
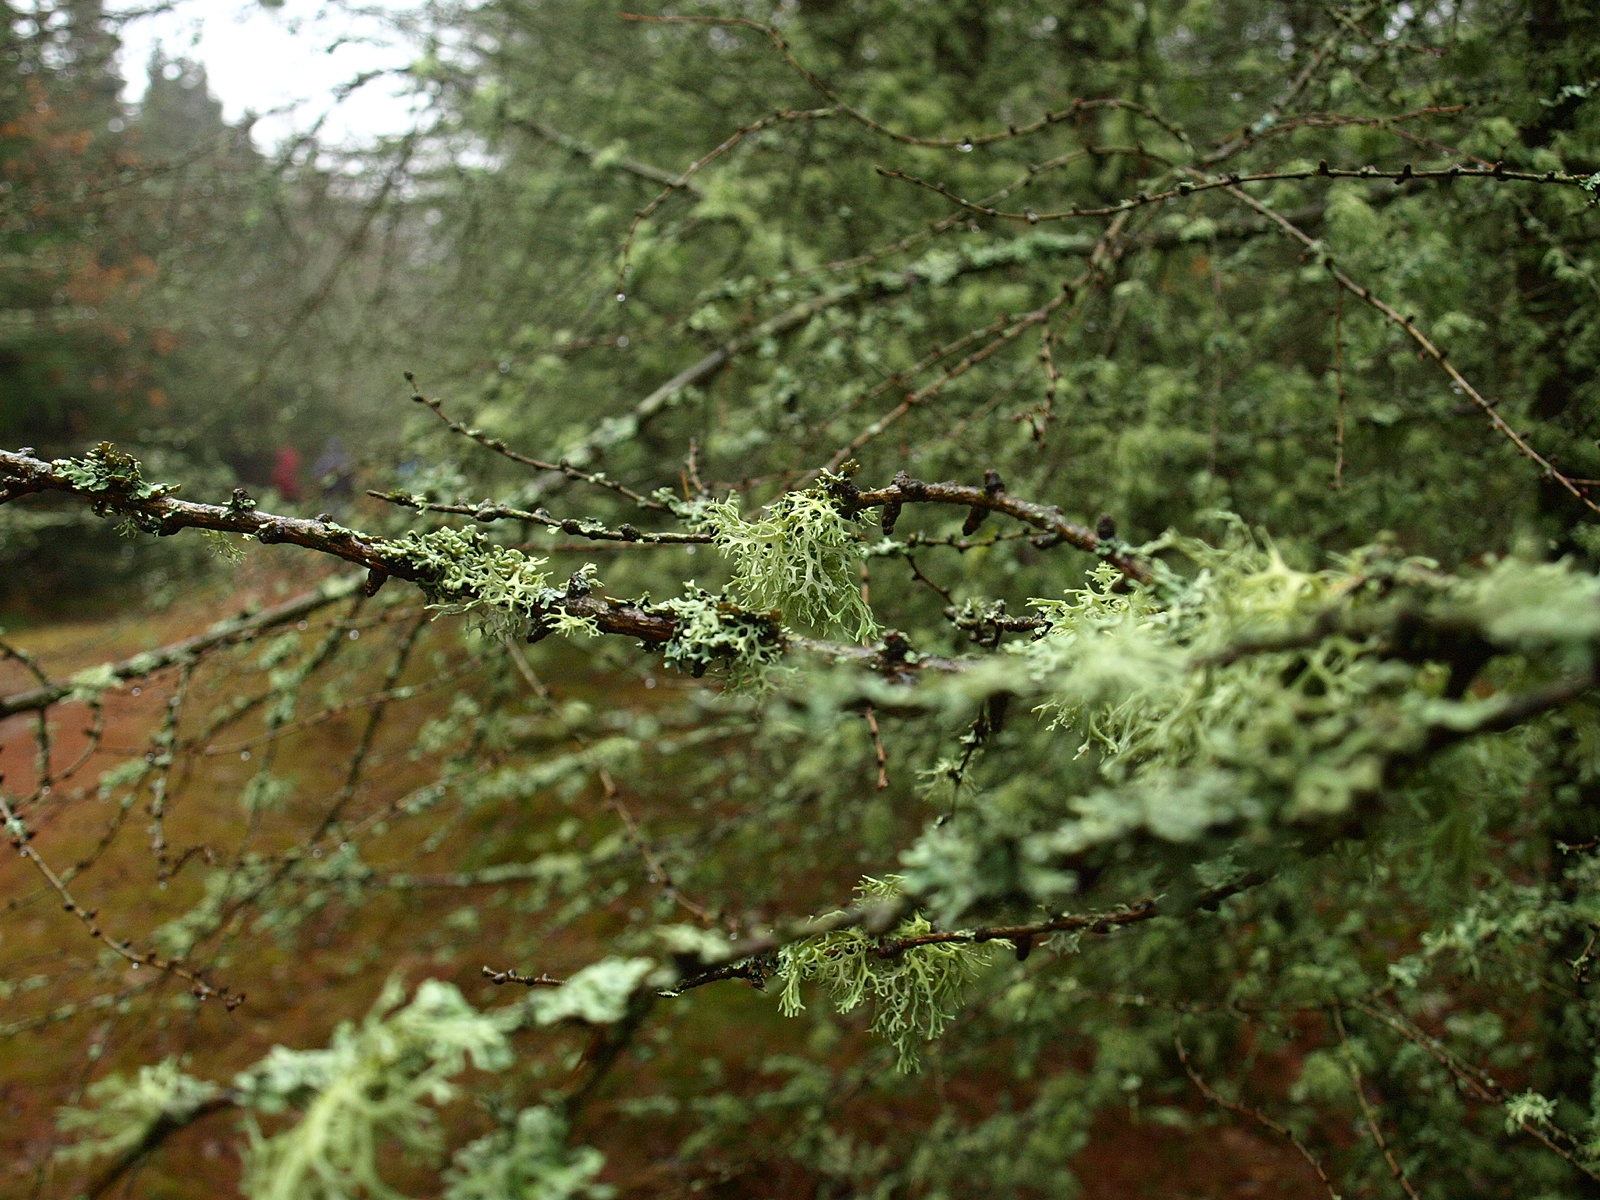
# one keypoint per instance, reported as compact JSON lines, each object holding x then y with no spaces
{"x":21,"y":836}
{"x":581,"y":149}
{"x":1070,"y":113}
{"x":1480,"y":1085}
{"x":489,"y":511}
{"x":1201,"y":182}
{"x":877,"y":745}
{"x":1104,"y":252}
{"x":1338,"y":376}
{"x":1367,"y":1110}
{"x":655,"y":869}
{"x":375,"y":715}
{"x":499,"y":447}
{"x":226,"y":633}
{"x":1423,"y":342}
{"x":1255,"y":1114}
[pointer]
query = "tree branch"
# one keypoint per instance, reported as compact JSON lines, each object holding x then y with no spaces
{"x":239,"y":629}
{"x":114,"y":487}
{"x":992,"y":497}
{"x":598,"y":159}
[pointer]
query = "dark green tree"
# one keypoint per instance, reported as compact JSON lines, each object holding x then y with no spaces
{"x":168,"y":286}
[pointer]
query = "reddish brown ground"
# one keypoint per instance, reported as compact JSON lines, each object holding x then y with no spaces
{"x":295,"y":995}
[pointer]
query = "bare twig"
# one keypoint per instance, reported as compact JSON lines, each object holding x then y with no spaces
{"x":877,"y":745}
{"x":225,"y":633}
{"x":1338,"y":375}
{"x":1069,"y":113}
{"x":1424,"y":343}
{"x":21,"y":836}
{"x":1104,"y":252}
{"x":500,"y":447}
{"x":1367,"y":1111}
{"x":1199,"y":182}
{"x":581,"y":149}
{"x":1255,"y":1114}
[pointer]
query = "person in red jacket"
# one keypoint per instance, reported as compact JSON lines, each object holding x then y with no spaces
{"x":286,"y":473}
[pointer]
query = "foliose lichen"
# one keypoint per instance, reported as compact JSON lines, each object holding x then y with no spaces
{"x":711,"y":629}
{"x":801,"y":556}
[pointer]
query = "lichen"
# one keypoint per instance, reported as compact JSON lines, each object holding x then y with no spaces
{"x":914,"y":992}
{"x":598,"y":994}
{"x":801,"y":556}
{"x":374,"y":1082}
{"x":127,"y":1109}
{"x":462,"y":570}
{"x":105,"y":469}
{"x":711,"y":629}
{"x":527,"y":1160}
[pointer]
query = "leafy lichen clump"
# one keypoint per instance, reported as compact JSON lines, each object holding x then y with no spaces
{"x":109,"y":470}
{"x":914,"y":991}
{"x":127,"y":1109}
{"x":801,"y":556}
{"x":464,"y":571}
{"x":710,"y":630}
{"x":528,"y":1160}
{"x":375,"y":1081}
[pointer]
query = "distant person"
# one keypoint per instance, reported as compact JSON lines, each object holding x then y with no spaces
{"x":286,"y":473}
{"x":333,"y":470}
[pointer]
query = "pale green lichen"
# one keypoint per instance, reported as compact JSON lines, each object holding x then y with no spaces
{"x":126,"y":1110}
{"x":107,"y":469}
{"x":530,"y":1160}
{"x":1120,"y":666}
{"x":1529,"y":1108}
{"x":1254,"y":694}
{"x":599,"y":994}
{"x":914,"y":992}
{"x":90,"y":684}
{"x":801,"y":556}
{"x":374,"y":1083}
{"x":462,"y":570}
{"x":710,"y":629}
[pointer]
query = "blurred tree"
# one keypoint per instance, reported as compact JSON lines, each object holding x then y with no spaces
{"x":166,"y":285}
{"x":69,"y":246}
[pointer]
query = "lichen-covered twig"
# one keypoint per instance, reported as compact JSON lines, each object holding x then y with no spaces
{"x":111,"y":483}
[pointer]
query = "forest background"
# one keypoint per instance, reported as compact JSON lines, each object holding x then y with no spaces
{"x":1071,"y":535}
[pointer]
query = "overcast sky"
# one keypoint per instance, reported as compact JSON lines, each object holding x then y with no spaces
{"x":279,"y":61}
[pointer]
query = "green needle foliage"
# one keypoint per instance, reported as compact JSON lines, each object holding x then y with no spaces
{"x":1073,"y":531}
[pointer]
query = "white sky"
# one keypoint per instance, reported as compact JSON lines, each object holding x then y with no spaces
{"x":279,"y":62}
